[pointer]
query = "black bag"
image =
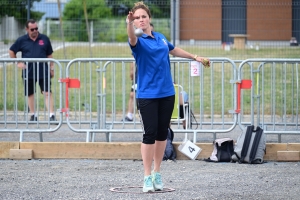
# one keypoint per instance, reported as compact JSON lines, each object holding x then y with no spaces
{"x":223,"y":150}
{"x":170,"y":152}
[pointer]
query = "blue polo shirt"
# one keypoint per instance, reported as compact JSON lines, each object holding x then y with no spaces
{"x":40,"y":48}
{"x":154,"y":78}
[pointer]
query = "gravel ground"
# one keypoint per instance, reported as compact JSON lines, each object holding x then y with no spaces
{"x":93,"y":179}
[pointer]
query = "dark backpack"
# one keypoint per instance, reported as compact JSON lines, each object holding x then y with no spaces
{"x":170,"y":152}
{"x":223,"y":150}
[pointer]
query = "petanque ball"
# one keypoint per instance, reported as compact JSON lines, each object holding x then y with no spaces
{"x":138,"y":32}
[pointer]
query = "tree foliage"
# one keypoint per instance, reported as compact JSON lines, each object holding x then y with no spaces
{"x":18,"y":9}
{"x":101,"y":12}
{"x":74,"y":11}
{"x":96,"y":9}
{"x":112,"y":8}
{"x":158,"y":8}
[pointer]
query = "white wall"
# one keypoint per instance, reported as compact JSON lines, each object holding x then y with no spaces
{"x":11,"y":29}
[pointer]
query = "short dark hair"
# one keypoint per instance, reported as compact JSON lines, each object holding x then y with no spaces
{"x":151,"y":25}
{"x":30,"y":21}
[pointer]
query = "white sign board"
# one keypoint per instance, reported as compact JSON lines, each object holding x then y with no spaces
{"x":195,"y":68}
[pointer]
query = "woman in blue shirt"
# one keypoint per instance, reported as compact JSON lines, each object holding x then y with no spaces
{"x":155,"y":91}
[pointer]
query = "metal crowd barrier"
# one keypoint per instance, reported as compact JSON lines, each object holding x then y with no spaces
{"x":274,"y":98}
{"x":211,"y":96}
{"x":93,"y":95}
{"x":14,"y":117}
{"x":99,"y":104}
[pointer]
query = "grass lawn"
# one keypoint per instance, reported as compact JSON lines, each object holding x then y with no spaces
{"x":123,"y":51}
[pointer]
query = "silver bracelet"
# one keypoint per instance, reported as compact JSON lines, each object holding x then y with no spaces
{"x":130,"y":22}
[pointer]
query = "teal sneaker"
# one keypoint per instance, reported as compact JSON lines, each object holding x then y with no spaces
{"x":157,"y":182}
{"x":148,"y":184}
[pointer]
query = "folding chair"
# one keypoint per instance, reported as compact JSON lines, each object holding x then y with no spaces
{"x":176,"y":113}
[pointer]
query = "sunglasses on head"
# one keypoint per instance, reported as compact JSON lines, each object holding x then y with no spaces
{"x":32,"y":29}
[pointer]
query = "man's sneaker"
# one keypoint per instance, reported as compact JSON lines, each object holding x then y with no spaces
{"x":148,"y":184}
{"x":128,"y":119}
{"x":33,"y":118}
{"x":52,"y":118}
{"x":157,"y":182}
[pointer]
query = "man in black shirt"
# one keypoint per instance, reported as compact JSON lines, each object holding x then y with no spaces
{"x":35,"y":45}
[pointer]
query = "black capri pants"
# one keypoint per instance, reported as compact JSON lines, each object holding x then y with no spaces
{"x":155,"y":117}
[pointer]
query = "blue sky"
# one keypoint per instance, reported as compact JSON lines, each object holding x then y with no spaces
{"x":49,"y":7}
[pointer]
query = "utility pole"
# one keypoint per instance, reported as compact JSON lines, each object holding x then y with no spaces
{"x":28,"y":9}
{"x":174,"y":33}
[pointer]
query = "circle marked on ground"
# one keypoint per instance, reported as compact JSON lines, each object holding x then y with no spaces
{"x":137,"y":190}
